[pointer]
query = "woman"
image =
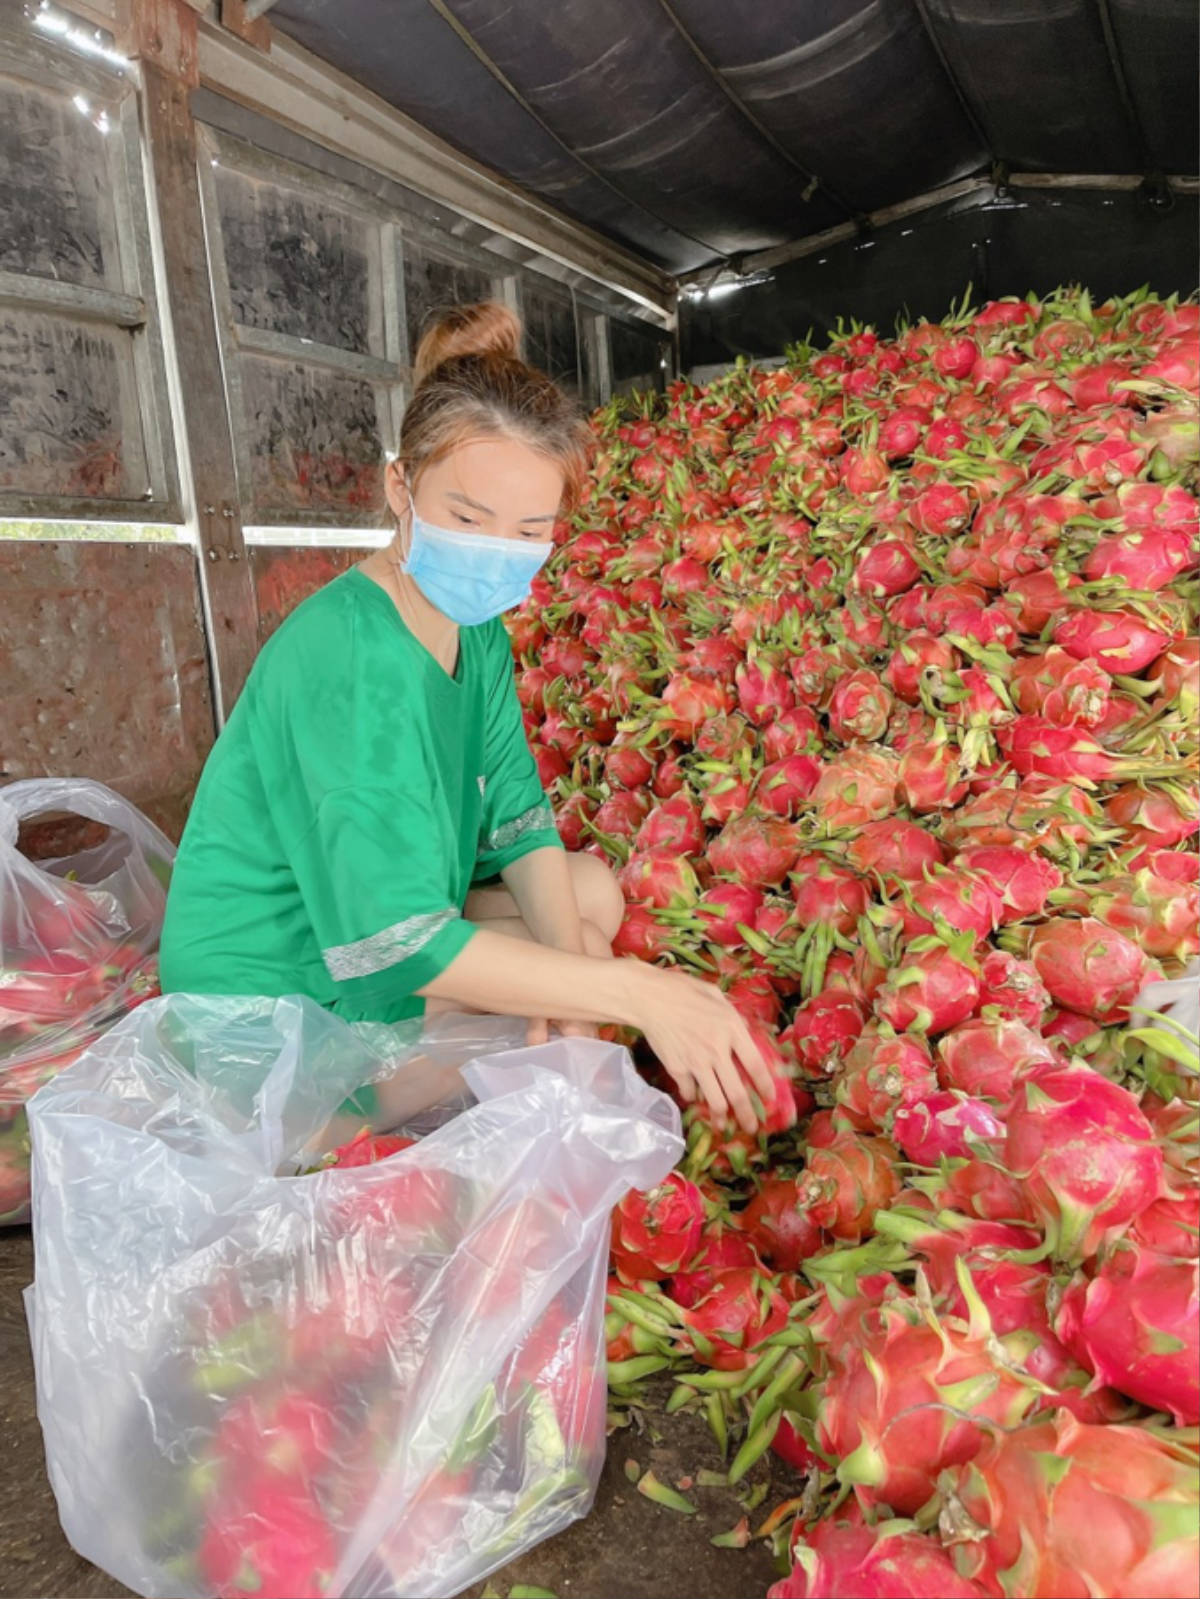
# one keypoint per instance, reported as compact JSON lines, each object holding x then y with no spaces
{"x":375,"y":773}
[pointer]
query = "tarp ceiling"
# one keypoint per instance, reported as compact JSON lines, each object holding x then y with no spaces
{"x":696,"y":130}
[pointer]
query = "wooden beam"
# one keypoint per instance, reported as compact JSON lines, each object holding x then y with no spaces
{"x":202,"y":416}
{"x":248,"y":22}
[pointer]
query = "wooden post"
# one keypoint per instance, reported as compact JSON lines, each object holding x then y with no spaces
{"x":164,"y":38}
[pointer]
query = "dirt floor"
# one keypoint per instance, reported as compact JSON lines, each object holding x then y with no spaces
{"x":628,"y":1548}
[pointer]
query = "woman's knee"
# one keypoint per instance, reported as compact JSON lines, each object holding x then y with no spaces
{"x":595,"y":943}
{"x":598,"y":894}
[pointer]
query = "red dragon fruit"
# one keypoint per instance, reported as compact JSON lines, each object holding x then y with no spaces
{"x":990,"y":1057}
{"x":823,"y":1031}
{"x":725,"y":909}
{"x":764,"y":692}
{"x":1090,"y":968}
{"x":656,"y":1233}
{"x":922,"y":659}
{"x":881,"y":1075}
{"x":778,"y":1225}
{"x":931,"y":774}
{"x":946,"y":901}
{"x":1162,"y":915}
{"x":889,"y":1561}
{"x":1011,"y":988}
{"x":1146,"y":559}
{"x":660,"y":879}
{"x":741,"y":1311}
{"x":796,"y":732}
{"x":895,"y":849}
{"x":828,"y":894}
{"x":721,"y":1249}
{"x":760,"y":851}
{"x":1085,"y":1156}
{"x":1119,"y":641}
{"x":1136,"y":1325}
{"x":689,"y":699}
{"x":1023,"y":881}
{"x":856,"y":787}
{"x":675,"y":825}
{"x":1060,"y":688}
{"x":642,"y":935}
{"x":859,"y":707}
{"x":783,"y":786}
{"x":1156,"y":817}
{"x":942,"y":1126}
{"x":886,"y":568}
{"x":932,"y":991}
{"x":907,"y":1398}
{"x":623,"y":814}
{"x":1171,"y":1225}
{"x":846,"y":1182}
{"x":1064,"y":1507}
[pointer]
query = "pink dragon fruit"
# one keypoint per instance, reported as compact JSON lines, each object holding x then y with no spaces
{"x":895,"y":849}
{"x":721,"y":1249}
{"x":846,"y":1182}
{"x":1162,"y":915}
{"x":941,"y":1126}
{"x":663,"y":880}
{"x":656,"y":1233}
{"x":1090,"y":968}
{"x":1119,"y":641}
{"x":824,"y":1030}
{"x":890,"y":1561}
{"x":856,"y":787}
{"x":880,"y":1076}
{"x":725,"y":909}
{"x":1064,"y":1507}
{"x":741,"y":1311}
{"x":1024,"y":881}
{"x":1136,"y":1325}
{"x":1085,"y":1156}
{"x":777,"y":1223}
{"x":828,"y":894}
{"x":907,"y":1398}
{"x":947,"y":901}
{"x":990,"y":1057}
{"x":921,"y":659}
{"x":764,"y":692}
{"x":859,"y":707}
{"x":760,"y":851}
{"x":1012,"y":988}
{"x":783,"y":786}
{"x":932,"y":991}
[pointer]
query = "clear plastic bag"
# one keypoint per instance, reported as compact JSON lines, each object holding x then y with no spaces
{"x":78,"y":943}
{"x":385,"y":1380}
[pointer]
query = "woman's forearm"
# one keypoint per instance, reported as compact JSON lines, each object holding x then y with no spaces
{"x":509,"y":977}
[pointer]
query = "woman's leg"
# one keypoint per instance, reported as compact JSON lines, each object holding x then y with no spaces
{"x":597,"y":895}
{"x":601,"y":909}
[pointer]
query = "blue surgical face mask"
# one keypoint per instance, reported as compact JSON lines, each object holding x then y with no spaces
{"x":472,"y":577}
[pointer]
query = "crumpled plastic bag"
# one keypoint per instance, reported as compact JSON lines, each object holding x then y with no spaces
{"x":78,"y":947}
{"x":385,"y":1380}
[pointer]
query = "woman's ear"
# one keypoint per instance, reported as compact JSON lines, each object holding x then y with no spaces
{"x":395,"y":486}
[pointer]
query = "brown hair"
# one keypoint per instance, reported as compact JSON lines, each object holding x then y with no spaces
{"x":471,"y":382}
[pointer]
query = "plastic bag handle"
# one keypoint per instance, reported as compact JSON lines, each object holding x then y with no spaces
{"x":78,"y":796}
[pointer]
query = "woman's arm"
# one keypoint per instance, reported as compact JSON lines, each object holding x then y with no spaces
{"x":690,"y":1025}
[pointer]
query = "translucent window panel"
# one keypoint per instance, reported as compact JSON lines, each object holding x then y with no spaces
{"x":637,"y":354}
{"x":57,"y":218}
{"x":432,"y":285}
{"x":313,"y":441}
{"x":69,"y":422}
{"x":551,"y":342}
{"x":300,"y":265}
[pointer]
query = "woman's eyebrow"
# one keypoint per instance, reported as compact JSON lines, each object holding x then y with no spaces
{"x":465,"y":499}
{"x":553,"y":517}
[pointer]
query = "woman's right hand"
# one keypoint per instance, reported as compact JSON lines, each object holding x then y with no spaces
{"x":699,"y":1037}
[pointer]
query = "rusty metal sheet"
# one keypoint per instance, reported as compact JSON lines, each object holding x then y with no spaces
{"x":283,"y":577}
{"x":104,"y":671}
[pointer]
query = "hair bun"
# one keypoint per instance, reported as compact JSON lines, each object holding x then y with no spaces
{"x":489,"y":328}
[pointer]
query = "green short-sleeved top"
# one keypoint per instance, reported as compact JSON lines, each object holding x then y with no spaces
{"x":352,"y":799}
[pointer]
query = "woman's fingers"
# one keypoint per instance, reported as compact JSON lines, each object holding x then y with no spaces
{"x":710,"y":1086}
{"x":737,"y":1094}
{"x":751,"y":1057}
{"x":538,"y":1032}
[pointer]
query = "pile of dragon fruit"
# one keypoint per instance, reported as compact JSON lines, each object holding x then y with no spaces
{"x":875,"y":676}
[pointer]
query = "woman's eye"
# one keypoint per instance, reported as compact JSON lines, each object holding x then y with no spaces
{"x":465,"y":521}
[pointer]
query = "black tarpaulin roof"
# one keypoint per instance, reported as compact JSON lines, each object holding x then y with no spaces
{"x":696,"y":130}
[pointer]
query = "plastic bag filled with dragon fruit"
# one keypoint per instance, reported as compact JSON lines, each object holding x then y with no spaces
{"x":78,"y":947}
{"x":261,"y":1374}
